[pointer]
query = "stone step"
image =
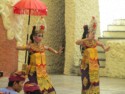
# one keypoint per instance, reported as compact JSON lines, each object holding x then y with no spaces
{"x":116,"y":28}
{"x":119,"y":22}
{"x":101,"y":54}
{"x":114,"y":34}
{"x":105,"y":39}
{"x":99,"y":48}
{"x":102,"y":63}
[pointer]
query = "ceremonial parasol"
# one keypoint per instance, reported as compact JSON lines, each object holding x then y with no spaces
{"x":30,"y":7}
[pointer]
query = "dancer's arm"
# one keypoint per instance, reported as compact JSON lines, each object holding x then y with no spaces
{"x":106,"y":48}
{"x":53,"y":50}
{"x":81,"y":41}
{"x":24,"y":47}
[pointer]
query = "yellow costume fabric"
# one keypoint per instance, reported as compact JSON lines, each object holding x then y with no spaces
{"x":90,"y":68}
{"x":38,"y":66}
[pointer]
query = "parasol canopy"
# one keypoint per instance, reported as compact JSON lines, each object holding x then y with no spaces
{"x":30,"y":7}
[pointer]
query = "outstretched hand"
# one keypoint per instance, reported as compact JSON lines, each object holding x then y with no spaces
{"x":107,"y":48}
{"x":60,"y":50}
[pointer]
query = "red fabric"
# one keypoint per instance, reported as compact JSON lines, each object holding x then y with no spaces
{"x":32,"y":7}
{"x":94,"y":26}
{"x":30,"y":87}
{"x":42,"y":27}
{"x":17,"y":76}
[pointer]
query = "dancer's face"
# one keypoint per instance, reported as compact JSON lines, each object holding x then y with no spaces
{"x":91,"y":35}
{"x":38,"y":38}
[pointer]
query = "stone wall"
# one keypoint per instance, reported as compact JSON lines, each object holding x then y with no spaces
{"x":77,"y":13}
{"x":55,"y":35}
{"x":115,"y":61}
{"x":8,"y":53}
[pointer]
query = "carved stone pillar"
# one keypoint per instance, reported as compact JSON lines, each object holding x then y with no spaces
{"x":77,"y":14}
{"x":115,"y":59}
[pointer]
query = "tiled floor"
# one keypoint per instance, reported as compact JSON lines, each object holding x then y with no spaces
{"x":72,"y":84}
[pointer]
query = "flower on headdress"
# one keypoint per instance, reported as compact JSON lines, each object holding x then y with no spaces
{"x":93,"y":25}
{"x":39,"y":28}
{"x":42,"y":27}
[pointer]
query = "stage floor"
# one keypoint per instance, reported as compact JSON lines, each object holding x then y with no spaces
{"x":72,"y":84}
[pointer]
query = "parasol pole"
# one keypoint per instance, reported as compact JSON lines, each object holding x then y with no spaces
{"x":27,"y":36}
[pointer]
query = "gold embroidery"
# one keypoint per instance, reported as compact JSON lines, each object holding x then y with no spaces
{"x":38,"y":65}
{"x":85,"y":81}
{"x":90,"y":58}
{"x":37,"y":48}
{"x":90,"y":44}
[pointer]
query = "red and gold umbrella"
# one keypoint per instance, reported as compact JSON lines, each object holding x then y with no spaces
{"x":30,"y":7}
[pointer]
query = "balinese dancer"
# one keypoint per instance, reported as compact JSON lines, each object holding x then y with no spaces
{"x":37,"y":64}
{"x":89,"y":66}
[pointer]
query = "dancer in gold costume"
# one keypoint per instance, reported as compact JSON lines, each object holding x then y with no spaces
{"x":37,"y":61}
{"x":89,"y":65}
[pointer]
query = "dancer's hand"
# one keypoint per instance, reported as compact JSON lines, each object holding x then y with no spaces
{"x":60,"y":50}
{"x":106,"y":48}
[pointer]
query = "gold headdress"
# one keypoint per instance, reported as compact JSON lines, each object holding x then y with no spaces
{"x":41,"y":25}
{"x":40,"y":29}
{"x":93,"y":25}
